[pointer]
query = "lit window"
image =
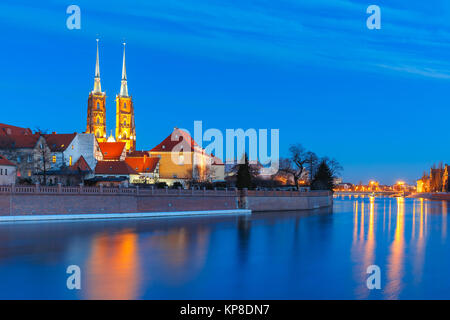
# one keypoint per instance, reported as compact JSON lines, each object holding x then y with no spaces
{"x":70,"y":160}
{"x":54,"y":159}
{"x":29,"y":173}
{"x":72,"y":147}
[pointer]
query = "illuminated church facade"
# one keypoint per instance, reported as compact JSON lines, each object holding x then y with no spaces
{"x":96,"y":112}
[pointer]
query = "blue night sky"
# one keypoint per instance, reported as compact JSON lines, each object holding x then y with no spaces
{"x":376,"y":100}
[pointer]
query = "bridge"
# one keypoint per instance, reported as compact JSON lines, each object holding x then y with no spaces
{"x":374,"y":193}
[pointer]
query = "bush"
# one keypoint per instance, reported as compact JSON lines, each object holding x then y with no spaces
{"x":161,"y":185}
{"x":177,"y":185}
{"x":26,"y":181}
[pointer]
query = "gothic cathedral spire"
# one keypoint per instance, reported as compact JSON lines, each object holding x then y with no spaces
{"x":124,"y":86}
{"x":125,"y":128}
{"x":96,"y":113}
{"x":97,"y":84}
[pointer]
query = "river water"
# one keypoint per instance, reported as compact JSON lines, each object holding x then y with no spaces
{"x":321,"y":254}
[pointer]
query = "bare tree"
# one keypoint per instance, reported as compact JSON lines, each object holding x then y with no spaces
{"x":295,"y":165}
{"x":313,"y":163}
{"x":303,"y":164}
{"x":45,"y":155}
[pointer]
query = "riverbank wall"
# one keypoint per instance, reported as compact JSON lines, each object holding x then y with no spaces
{"x":43,"y":200}
{"x":260,"y":201}
{"x":443,"y":196}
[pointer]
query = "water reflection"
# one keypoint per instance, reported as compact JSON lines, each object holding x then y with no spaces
{"x":396,"y":257}
{"x":402,"y":236}
{"x":278,"y":255}
{"x":113,"y":267}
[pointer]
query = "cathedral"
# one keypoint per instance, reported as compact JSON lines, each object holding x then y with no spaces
{"x":96,"y":113}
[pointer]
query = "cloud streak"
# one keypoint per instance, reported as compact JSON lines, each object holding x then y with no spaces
{"x":413,"y":38}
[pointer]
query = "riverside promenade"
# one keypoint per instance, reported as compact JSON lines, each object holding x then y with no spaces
{"x":81,"y":202}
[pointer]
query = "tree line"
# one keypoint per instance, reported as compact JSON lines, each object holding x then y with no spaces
{"x":302,"y":165}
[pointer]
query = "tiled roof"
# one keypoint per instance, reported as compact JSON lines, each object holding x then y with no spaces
{"x":112,"y":150}
{"x":216,"y":161}
{"x":18,"y":141}
{"x":81,"y":165}
{"x":137,"y":154}
{"x":143,"y":164}
{"x":6,"y":162}
{"x":58,"y":142}
{"x":176,"y":137}
{"x":113,"y":168}
{"x":6,"y":129}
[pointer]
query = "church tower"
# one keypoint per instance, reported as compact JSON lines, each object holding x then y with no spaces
{"x":125,"y":129}
{"x":96,"y":113}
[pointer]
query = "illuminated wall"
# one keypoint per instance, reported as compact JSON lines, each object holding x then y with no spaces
{"x":125,"y":129}
{"x":96,"y":116}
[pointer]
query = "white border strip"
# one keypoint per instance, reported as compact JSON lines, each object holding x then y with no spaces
{"x":121,"y":215}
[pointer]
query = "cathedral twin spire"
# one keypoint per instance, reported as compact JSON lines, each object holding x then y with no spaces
{"x":96,"y":120}
{"x":97,"y":84}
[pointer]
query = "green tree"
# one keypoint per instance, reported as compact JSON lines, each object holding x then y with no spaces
{"x":323,"y":178}
{"x":244,"y":177}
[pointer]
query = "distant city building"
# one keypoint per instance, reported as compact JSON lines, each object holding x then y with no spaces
{"x":436,"y":181}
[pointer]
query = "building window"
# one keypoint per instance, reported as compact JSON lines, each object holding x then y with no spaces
{"x":30,"y":158}
{"x":72,"y":147}
{"x":98,"y":105}
{"x":70,"y":160}
{"x":29,"y":173}
{"x":98,"y":120}
{"x":124,"y":105}
{"x":1,"y":171}
{"x":54,"y":159}
{"x":18,"y":159}
{"x":6,"y":172}
{"x":124,"y":123}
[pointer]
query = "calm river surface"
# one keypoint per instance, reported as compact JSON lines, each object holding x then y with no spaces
{"x":322,"y":254}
